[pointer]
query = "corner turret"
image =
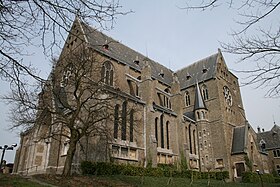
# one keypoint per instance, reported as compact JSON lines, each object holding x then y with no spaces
{"x":200,"y":109}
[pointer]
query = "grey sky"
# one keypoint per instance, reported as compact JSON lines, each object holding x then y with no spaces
{"x":175,"y":38}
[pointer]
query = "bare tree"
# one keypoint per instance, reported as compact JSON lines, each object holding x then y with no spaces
{"x":256,"y":41}
{"x":75,"y":103}
{"x":81,"y":104}
{"x":43,"y":24}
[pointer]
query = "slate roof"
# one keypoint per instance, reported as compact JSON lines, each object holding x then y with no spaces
{"x":202,"y":70}
{"x":199,"y":102}
{"x":124,"y":54}
{"x":239,"y":140}
{"x":271,"y":138}
{"x":164,"y":110}
{"x":190,"y":115}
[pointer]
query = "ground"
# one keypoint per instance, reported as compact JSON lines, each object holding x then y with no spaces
{"x":112,"y":181}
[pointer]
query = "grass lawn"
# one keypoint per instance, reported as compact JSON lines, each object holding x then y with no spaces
{"x":178,"y":182}
{"x":8,"y":180}
{"x":115,"y":181}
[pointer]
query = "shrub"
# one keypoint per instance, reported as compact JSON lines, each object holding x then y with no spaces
{"x":108,"y":168}
{"x":87,"y":168}
{"x":167,"y":170}
{"x":251,"y":177}
{"x":222,"y":175}
{"x":153,"y":172}
{"x":268,"y":178}
{"x":277,"y":179}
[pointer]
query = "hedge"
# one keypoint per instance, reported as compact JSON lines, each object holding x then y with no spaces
{"x":163,"y":170}
{"x":251,"y":177}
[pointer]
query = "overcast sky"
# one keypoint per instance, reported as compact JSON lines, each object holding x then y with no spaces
{"x":175,"y":38}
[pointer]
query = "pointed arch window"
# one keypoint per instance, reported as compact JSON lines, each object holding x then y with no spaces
{"x":167,"y":134}
{"x":66,"y":75}
{"x":124,"y":106}
{"x":131,"y":121}
{"x":107,"y":73}
{"x":156,"y":129}
{"x":198,"y":115}
{"x":161,"y":132}
{"x":190,"y":139}
{"x":164,"y":100}
{"x":187,"y":99}
{"x":194,"y":142}
{"x":186,"y":135}
{"x":205,"y":92}
{"x":133,"y":88}
{"x":202,"y":115}
{"x":116,"y":121}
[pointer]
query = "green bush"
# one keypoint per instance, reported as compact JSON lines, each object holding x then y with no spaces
{"x":277,"y":179}
{"x":87,"y":168}
{"x":268,"y":178}
{"x":251,"y":177}
{"x":163,"y":170}
{"x":168,"y":170}
{"x":222,"y":175}
{"x":153,"y":172}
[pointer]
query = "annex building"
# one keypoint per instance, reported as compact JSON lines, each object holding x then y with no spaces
{"x":162,"y":116}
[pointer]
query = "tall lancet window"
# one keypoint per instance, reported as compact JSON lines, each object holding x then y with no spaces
{"x":187,"y":99}
{"x":124,"y":106}
{"x":161,"y":132}
{"x":116,"y":122}
{"x":156,"y":130}
{"x":107,"y":73}
{"x":131,"y":126}
{"x":167,"y":134}
{"x":205,"y":92}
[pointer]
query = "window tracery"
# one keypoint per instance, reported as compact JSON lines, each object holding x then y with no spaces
{"x":107,"y":73}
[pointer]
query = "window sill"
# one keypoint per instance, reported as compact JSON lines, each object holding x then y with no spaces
{"x":125,"y":158}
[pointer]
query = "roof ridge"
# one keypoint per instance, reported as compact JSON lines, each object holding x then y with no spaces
{"x":125,"y":45}
{"x":196,"y":62}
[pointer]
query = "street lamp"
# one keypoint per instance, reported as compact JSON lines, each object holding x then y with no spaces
{"x":6,"y":147}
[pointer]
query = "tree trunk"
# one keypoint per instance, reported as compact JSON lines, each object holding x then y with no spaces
{"x":70,"y":155}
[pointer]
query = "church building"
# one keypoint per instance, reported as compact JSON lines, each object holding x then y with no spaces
{"x":159,"y":116}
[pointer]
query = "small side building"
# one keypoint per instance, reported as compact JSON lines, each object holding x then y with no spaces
{"x":269,"y":142}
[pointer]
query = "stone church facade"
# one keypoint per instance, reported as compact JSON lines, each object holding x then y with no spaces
{"x":194,"y":114}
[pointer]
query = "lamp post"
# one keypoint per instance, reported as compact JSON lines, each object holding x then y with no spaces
{"x":6,"y":147}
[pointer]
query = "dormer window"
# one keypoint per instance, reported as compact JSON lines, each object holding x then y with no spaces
{"x":161,"y":74}
{"x":204,"y":70}
{"x":106,"y":45}
{"x":262,"y":145}
{"x":188,"y":76}
{"x":136,"y":61}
